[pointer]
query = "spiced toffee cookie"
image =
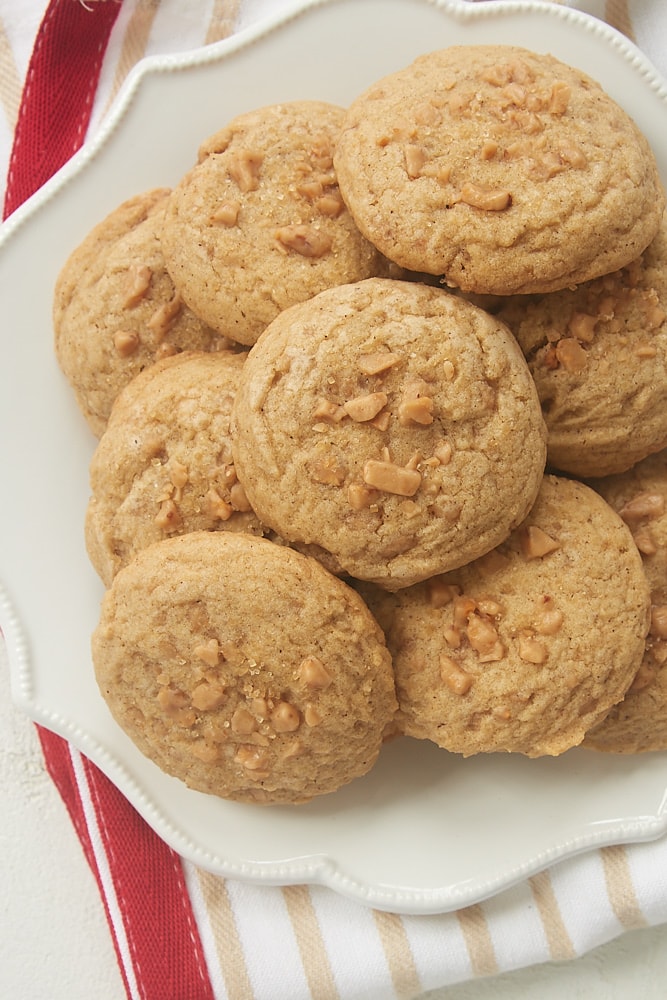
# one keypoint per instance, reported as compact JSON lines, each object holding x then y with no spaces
{"x":164,"y":463}
{"x":244,"y":668}
{"x":391,"y":424}
{"x":639,"y":723}
{"x":598,"y":354}
{"x":502,"y":169}
{"x":259,"y":224}
{"x":116,"y":310}
{"x":526,"y":649}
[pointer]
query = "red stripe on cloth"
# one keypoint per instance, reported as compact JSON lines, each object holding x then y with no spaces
{"x":59,"y":765}
{"x":154,"y":902}
{"x":149,"y":886}
{"x":149,"y":890}
{"x":58,"y":93}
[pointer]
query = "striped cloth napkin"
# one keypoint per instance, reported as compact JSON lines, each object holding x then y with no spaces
{"x":181,"y":933}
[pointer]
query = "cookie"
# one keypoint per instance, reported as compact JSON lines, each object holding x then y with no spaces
{"x":258,"y":223}
{"x":504,"y":170}
{"x":598,"y":354}
{"x":116,"y":310}
{"x":639,"y":723}
{"x":244,"y":668}
{"x":391,"y":424}
{"x":526,"y":649}
{"x":164,"y":463}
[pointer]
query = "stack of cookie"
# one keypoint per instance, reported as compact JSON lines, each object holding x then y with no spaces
{"x":374,"y":389}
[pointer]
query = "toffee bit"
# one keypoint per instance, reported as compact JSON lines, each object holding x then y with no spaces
{"x":392,"y":478}
{"x":365,"y":408}
{"x":377,"y":362}
{"x":305,"y":240}
{"x":487,"y":199}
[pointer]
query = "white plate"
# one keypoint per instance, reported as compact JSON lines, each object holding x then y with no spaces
{"x":424,"y":831}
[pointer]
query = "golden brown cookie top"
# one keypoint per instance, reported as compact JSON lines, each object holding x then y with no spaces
{"x":598,"y":354}
{"x":164,"y":464}
{"x":244,"y":668}
{"x":525,"y":649}
{"x":502,"y":169}
{"x":639,"y":723}
{"x":391,"y":424}
{"x":259,"y":223}
{"x":116,"y":310}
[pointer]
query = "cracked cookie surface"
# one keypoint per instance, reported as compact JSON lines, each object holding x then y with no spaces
{"x":116,"y":310}
{"x":502,"y":169}
{"x":391,"y":424}
{"x":639,"y":723}
{"x":164,"y":463}
{"x":527,"y":648}
{"x":258,"y":223}
{"x":234,"y":708}
{"x":598,"y":354}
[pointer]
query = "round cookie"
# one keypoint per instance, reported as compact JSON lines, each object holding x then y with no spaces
{"x":115,"y":308}
{"x":639,"y":723}
{"x":164,"y":463}
{"x":526,"y":649}
{"x":504,"y":170}
{"x":244,"y":668}
{"x":598,"y":354}
{"x":258,"y":223}
{"x":391,"y":424}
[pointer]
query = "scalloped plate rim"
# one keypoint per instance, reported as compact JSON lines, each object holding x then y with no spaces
{"x":460,"y":10}
{"x":315,"y":868}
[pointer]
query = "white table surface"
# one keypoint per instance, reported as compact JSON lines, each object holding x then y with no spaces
{"x":55,"y":945}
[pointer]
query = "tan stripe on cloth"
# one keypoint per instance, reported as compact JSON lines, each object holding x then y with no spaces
{"x":225,"y":933}
{"x":223,"y":20}
{"x":620,"y":889}
{"x":10,"y":81}
{"x":558,"y":940}
{"x":398,"y":953}
{"x":135,"y":41}
{"x":617,"y":14}
{"x":475,"y":930}
{"x":309,"y":939}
